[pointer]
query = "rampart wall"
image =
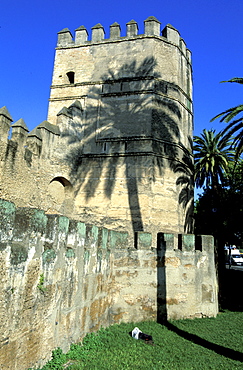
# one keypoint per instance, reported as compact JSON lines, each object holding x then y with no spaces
{"x":32,"y":170}
{"x":61,"y":278}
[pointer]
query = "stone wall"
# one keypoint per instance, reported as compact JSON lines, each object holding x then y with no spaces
{"x":61,"y":278}
{"x":31,"y":171}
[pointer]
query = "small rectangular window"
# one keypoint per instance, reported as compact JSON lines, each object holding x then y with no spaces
{"x":70,"y":76}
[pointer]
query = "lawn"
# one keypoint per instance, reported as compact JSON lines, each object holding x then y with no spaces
{"x":208,"y":343}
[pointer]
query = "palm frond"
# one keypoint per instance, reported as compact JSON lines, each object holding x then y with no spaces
{"x":234,"y":112}
{"x":229,"y":114}
{"x":238,"y":80}
{"x":238,"y":145}
{"x":234,"y":125}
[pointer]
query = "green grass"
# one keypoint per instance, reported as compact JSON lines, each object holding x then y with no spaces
{"x":209,"y":343}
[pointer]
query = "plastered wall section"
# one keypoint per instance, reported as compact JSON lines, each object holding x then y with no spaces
{"x":28,"y":166}
{"x":118,"y":193}
{"x":60,"y":279}
{"x":186,"y":264}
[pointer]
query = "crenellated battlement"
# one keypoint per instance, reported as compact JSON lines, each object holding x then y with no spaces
{"x":152,"y":28}
{"x":5,"y":123}
{"x":18,"y":132}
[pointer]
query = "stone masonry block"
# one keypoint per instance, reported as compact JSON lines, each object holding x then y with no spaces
{"x":98,"y":33}
{"x":165,"y":241}
{"x":143,"y":240}
{"x":5,"y":122}
{"x":81,"y":35}
{"x":132,"y":28}
{"x":152,"y":26}
{"x":183,"y":46}
{"x":64,"y":37}
{"x":115,"y":31}
{"x":188,"y":242}
{"x":118,"y":240}
{"x":171,"y":34}
{"x":207,"y":243}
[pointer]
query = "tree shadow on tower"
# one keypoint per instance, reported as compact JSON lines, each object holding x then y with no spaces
{"x":130,"y":123}
{"x":185,"y":181}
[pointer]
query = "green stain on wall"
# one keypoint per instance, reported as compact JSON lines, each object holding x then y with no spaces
{"x":48,"y":255}
{"x":145,"y":239}
{"x":95,"y":232}
{"x":92,"y":233}
{"x":118,"y":239}
{"x":188,"y":242}
{"x":81,"y":229}
{"x":86,"y":256}
{"x":39,"y":221}
{"x":7,"y":214}
{"x":70,"y":253}
{"x":63,"y":224}
{"x":6,"y":208}
{"x":103,"y":238}
{"x":19,"y":254}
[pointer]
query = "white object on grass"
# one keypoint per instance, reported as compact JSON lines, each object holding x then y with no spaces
{"x":135,"y":333}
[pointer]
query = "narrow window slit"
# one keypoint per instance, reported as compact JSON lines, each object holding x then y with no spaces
{"x":70,"y":76}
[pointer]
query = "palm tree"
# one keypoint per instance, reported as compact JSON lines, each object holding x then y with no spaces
{"x":235,"y":125}
{"x":212,"y":157}
{"x":212,"y":154}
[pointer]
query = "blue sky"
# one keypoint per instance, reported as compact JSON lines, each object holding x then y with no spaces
{"x":212,"y":30}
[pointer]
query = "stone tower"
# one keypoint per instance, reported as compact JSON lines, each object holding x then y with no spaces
{"x":124,"y":105}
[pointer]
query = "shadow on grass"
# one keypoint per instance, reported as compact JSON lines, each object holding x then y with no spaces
{"x":220,"y":350}
{"x":232,"y":300}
